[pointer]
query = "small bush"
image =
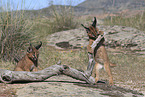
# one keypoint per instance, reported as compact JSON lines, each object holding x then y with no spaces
{"x":63,"y":18}
{"x":14,"y":33}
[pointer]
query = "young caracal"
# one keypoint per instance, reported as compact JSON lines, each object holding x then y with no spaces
{"x":99,"y":53}
{"x":30,"y":61}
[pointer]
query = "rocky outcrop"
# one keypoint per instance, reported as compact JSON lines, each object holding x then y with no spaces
{"x":116,"y":36}
{"x":125,"y":37}
{"x":70,"y":39}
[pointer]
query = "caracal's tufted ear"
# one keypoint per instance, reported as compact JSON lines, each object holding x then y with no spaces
{"x":38,"y":46}
{"x":30,"y":48}
{"x":85,"y":27}
{"x":94,"y":22}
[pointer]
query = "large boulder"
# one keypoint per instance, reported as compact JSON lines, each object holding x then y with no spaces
{"x":116,"y":36}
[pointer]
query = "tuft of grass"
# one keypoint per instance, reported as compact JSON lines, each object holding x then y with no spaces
{"x":137,"y":21}
{"x":14,"y":33}
{"x":61,"y":18}
{"x":7,"y":65}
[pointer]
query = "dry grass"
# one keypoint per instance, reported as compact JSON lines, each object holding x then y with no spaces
{"x":14,"y":33}
{"x":61,"y":19}
{"x":6,"y":91}
{"x":129,"y":72}
{"x":136,"y":21}
{"x":74,"y":58}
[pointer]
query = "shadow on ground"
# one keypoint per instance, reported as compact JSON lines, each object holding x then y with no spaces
{"x":111,"y":91}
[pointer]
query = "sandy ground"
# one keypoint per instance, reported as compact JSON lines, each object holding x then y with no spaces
{"x":64,"y":86}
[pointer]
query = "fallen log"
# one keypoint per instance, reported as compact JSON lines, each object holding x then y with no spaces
{"x":7,"y":76}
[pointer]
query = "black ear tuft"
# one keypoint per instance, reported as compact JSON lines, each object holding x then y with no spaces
{"x":94,"y":23}
{"x":29,"y":48}
{"x":84,"y":26}
{"x":38,"y":46}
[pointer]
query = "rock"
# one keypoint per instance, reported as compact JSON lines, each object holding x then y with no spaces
{"x":116,"y":36}
{"x":126,"y":37}
{"x":63,"y":44}
{"x":63,"y":86}
{"x":76,"y":38}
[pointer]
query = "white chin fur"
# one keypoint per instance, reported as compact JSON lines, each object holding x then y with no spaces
{"x":100,"y":66}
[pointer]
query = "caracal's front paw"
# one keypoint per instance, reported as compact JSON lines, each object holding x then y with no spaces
{"x":111,"y":82}
{"x":96,"y":80}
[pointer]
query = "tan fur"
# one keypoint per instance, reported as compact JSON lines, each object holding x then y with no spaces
{"x":30,"y":61}
{"x":101,"y":57}
{"x":101,"y":53}
{"x":89,"y":49}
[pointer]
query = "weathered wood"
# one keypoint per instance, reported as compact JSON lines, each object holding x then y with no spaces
{"x":97,"y":41}
{"x":78,"y":75}
{"x":7,"y":76}
{"x":90,"y":67}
